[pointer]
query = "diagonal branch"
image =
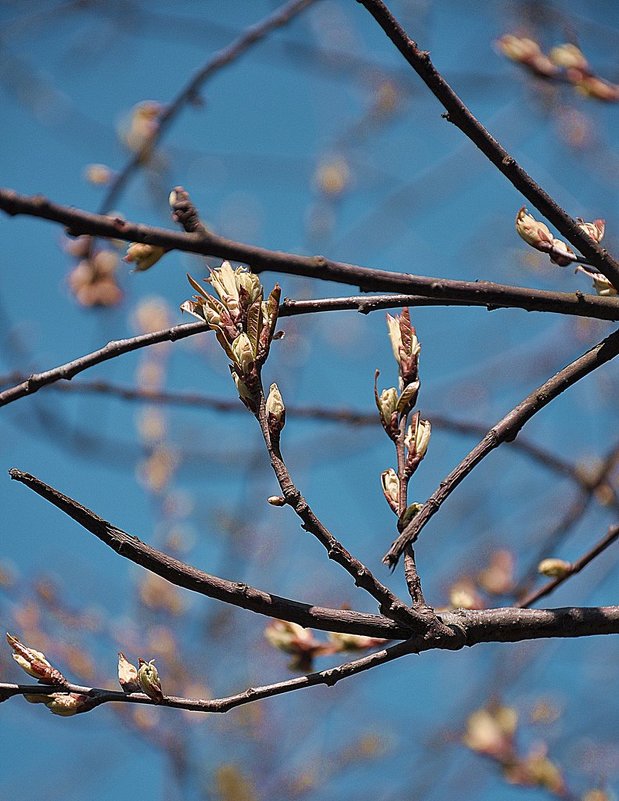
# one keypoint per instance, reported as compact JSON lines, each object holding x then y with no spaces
{"x":189,"y":93}
{"x":504,"y":431}
{"x":610,"y":537}
{"x":442,"y":290}
{"x":461,"y":117}
{"x":232,"y":592}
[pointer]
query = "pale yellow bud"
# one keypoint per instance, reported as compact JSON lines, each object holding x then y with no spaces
{"x":594,"y":229}
{"x":223,"y":280}
{"x":569,"y":57}
{"x":243,"y":353}
{"x":67,"y":704}
{"x":143,"y":256}
{"x":149,"y":680}
{"x":391,"y":488}
{"x":275,"y":405}
{"x":241,"y":388}
{"x":387,"y":404}
{"x":554,"y":568}
{"x":518,"y":48}
{"x":276,"y":500}
{"x":418,"y":437}
{"x":601,"y":284}
{"x":534,"y":233}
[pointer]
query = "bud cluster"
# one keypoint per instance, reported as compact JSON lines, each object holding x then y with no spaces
{"x":410,"y":434}
{"x":566,"y":63}
{"x":538,"y":235}
{"x":243,"y":322}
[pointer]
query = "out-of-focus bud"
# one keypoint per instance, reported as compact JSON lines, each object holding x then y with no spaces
{"x":34,"y":663}
{"x":127,"y":675}
{"x":276,"y":411}
{"x":601,"y":284}
{"x":142,"y":127}
{"x":294,"y":639}
{"x":391,"y":488}
{"x":527,"y":52}
{"x":554,"y":568}
{"x":518,"y":48}
{"x":332,"y":177}
{"x":463,"y":595}
{"x":491,"y":730}
{"x":276,"y":500}
{"x":67,"y":704}
{"x":149,"y":680}
{"x":418,"y":437}
{"x":98,"y":174}
{"x":143,"y":256}
{"x":569,"y":57}
{"x":592,"y":86}
{"x":596,"y":795}
{"x":354,"y":642}
{"x":243,"y":353}
{"x":498,"y":577}
{"x":594,"y":230}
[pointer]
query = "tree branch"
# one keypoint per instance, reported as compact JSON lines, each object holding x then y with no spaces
{"x":441,"y":290}
{"x":462,"y":118}
{"x":575,"y":567}
{"x":505,"y":430}
{"x":232,"y":592}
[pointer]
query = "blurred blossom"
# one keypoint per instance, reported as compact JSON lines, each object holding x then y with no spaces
{"x":332,"y":177}
{"x":498,"y":577}
{"x":157,"y":593}
{"x":156,"y":471}
{"x":98,"y":174}
{"x":151,"y":425}
{"x":93,"y":280}
{"x":152,"y":314}
{"x":138,"y":130}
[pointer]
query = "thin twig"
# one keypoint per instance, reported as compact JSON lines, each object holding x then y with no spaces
{"x":329,"y":677}
{"x":389,"y":604}
{"x":575,"y":567}
{"x":462,"y":118}
{"x":440,"y":290}
{"x":506,"y":429}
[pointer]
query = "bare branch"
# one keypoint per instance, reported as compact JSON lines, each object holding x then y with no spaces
{"x":505,"y":430}
{"x":233,"y":592}
{"x":443,"y":291}
{"x":461,"y":117}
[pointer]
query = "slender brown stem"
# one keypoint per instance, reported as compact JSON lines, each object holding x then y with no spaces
{"x":505,"y":430}
{"x":329,"y":677}
{"x":575,"y":567}
{"x":437,"y":290}
{"x":462,"y":118}
{"x":389,"y":604}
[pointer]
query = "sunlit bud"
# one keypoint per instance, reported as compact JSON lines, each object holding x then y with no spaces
{"x":34,"y":663}
{"x":534,"y":233}
{"x":98,"y":174}
{"x":143,"y":256}
{"x":223,"y":281}
{"x":127,"y":675}
{"x":408,"y":514}
{"x":241,"y":388}
{"x":276,"y":500}
{"x":149,"y":680}
{"x":173,"y":198}
{"x":354,"y":642}
{"x":243,"y":353}
{"x":594,"y":230}
{"x":569,"y":57}
{"x":68,"y":704}
{"x":404,"y":342}
{"x":418,"y":437}
{"x":250,"y":283}
{"x":391,"y":488}
{"x":554,"y":568}
{"x":387,"y":403}
{"x":461,"y":597}
{"x":276,"y":411}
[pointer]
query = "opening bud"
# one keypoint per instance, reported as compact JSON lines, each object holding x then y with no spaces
{"x":149,"y":680}
{"x":143,"y":256}
{"x":554,"y":568}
